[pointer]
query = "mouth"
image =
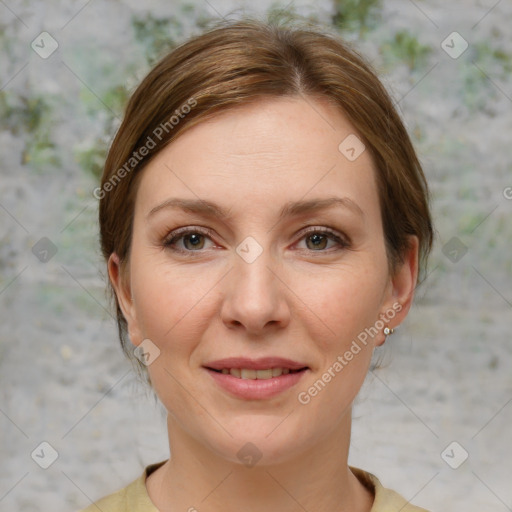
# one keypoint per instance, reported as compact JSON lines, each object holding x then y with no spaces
{"x":253,"y":374}
{"x":250,"y":379}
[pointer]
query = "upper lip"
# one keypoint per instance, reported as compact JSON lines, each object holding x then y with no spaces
{"x":255,"y":364}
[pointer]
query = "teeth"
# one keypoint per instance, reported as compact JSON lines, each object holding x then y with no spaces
{"x":263,"y":374}
{"x":276,"y":372}
{"x":248,"y":373}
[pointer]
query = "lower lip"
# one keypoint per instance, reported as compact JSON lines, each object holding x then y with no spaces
{"x":254,"y":389}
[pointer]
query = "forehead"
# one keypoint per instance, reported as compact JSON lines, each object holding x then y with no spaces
{"x":263,"y":155}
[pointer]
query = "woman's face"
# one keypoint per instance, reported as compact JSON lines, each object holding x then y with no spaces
{"x":294,"y":268}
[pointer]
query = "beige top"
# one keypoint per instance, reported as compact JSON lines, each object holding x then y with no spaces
{"x":135,"y":498}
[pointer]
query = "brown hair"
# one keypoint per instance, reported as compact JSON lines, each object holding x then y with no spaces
{"x":240,"y":62}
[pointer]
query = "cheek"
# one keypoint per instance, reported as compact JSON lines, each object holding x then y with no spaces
{"x":171,"y":314}
{"x":163,"y":305}
{"x":348,"y":305}
{"x":346,"y":302}
{"x":171,"y":299}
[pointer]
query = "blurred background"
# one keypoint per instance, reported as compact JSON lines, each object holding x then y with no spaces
{"x":433,"y":421}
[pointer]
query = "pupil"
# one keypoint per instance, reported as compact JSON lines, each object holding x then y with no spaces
{"x":195,"y":239}
{"x":318,"y":240}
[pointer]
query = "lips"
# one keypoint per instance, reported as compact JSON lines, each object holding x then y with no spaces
{"x":256,"y":379}
{"x":263,"y":363}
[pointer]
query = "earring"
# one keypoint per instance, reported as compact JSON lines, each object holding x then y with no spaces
{"x":388,"y":331}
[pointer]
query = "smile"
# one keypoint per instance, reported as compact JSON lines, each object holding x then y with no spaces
{"x":251,"y":384}
{"x":249,"y":373}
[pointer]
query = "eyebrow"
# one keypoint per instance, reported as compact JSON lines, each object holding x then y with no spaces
{"x":290,"y":209}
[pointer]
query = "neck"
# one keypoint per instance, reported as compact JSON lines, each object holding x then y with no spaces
{"x":315,"y":479}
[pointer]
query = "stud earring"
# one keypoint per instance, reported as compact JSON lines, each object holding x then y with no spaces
{"x":388,"y":331}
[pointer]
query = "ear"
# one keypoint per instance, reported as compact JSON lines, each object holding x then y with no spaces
{"x":121,"y":284}
{"x":401,"y":287}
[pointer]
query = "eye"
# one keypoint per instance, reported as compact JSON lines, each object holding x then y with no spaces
{"x":319,"y":239}
{"x":193,"y":240}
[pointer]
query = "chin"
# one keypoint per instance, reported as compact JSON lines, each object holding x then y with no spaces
{"x":260,"y":443}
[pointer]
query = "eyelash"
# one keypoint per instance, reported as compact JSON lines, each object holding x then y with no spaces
{"x":174,"y":236}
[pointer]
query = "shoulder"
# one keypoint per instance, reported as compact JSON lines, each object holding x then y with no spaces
{"x":386,"y":500}
{"x":132,"y":498}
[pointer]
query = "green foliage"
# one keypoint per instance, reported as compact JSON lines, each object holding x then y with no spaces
{"x":157,"y":35}
{"x":288,"y":16}
{"x":116,"y":98}
{"x":41,"y":152}
{"x":91,"y":160}
{"x":356,"y":15}
{"x":110,"y":102}
{"x":31,"y":115}
{"x":487,"y":64}
{"x":496,"y":59}
{"x":475,"y":88}
{"x":405,"y":47}
{"x":277,"y":15}
{"x":34,"y":112}
{"x":23,"y":112}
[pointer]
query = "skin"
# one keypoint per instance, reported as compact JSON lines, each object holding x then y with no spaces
{"x":297,"y":300}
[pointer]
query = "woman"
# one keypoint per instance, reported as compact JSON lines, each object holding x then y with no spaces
{"x":264,"y":218}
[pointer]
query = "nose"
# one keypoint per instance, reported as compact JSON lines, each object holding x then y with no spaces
{"x":256,"y":297}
